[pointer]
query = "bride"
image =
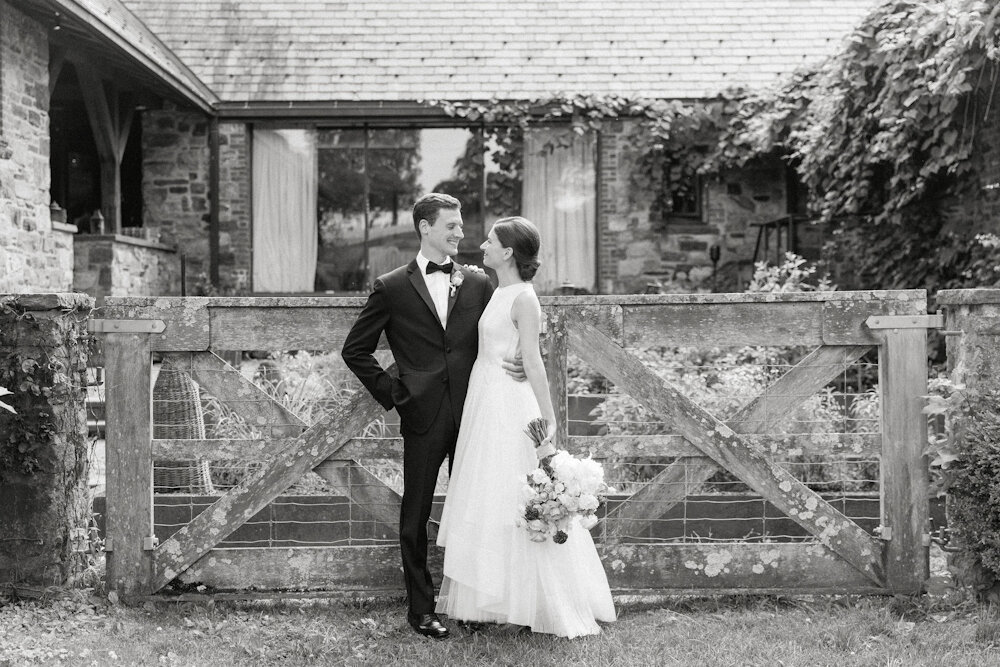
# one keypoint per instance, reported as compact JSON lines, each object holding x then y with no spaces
{"x":493,"y":572}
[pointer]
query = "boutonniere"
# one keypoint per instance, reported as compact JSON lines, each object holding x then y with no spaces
{"x":456,"y":280}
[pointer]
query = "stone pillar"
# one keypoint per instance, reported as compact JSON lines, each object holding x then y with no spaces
{"x":44,"y":497}
{"x":973,"y":355}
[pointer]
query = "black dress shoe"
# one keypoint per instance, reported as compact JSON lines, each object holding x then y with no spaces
{"x":428,"y":625}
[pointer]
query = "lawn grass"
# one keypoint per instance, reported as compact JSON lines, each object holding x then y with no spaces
{"x":82,"y":629}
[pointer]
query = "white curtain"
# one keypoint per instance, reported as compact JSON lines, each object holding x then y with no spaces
{"x":559,"y":196}
{"x":284,"y":210}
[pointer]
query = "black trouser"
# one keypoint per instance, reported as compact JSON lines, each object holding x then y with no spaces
{"x":423,"y":455}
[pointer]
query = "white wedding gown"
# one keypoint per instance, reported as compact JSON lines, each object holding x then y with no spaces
{"x":492,"y":570}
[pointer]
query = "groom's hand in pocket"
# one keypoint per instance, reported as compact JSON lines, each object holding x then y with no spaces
{"x":515,"y":367}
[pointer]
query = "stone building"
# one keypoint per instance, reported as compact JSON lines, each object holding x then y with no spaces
{"x":161,"y":146}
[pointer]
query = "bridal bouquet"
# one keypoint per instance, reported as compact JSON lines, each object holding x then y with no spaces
{"x":561,"y":488}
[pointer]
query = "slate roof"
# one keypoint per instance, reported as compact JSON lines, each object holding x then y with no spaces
{"x":111,"y":22}
{"x":397,"y":50}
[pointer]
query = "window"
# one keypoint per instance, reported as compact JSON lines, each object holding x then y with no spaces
{"x":364,"y":181}
{"x":368,"y":182}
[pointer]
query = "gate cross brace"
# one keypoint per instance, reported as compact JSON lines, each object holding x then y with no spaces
{"x":241,"y":503}
{"x":368,"y":493}
{"x":686,"y":474}
{"x":721,"y":443}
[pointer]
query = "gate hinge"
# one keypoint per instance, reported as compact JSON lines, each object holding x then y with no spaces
{"x":884,"y":533}
{"x":150,"y":543}
{"x":925,"y":539}
{"x":935,"y":321}
{"x":126,"y":326}
{"x":108,"y":545}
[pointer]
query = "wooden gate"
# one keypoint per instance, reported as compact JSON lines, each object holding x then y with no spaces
{"x":840,"y":555}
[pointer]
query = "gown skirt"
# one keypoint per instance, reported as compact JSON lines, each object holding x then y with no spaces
{"x":493,"y":572}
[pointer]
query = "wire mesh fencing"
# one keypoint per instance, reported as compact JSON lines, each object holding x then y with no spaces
{"x":243,"y":413}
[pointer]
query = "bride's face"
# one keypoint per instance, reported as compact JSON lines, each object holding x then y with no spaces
{"x":494,"y":254}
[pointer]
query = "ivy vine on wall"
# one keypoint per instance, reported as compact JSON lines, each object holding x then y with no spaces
{"x":882,"y":134}
{"x":672,"y":140}
{"x":28,"y":428}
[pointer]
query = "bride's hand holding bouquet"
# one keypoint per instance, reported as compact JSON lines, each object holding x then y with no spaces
{"x":561,"y":488}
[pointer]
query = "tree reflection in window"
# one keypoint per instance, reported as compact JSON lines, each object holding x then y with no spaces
{"x":369,"y":179}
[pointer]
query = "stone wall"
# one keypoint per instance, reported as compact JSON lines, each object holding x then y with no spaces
{"x":33,"y":256}
{"x":974,"y":353}
{"x":176,"y":162}
{"x":43,"y":448}
{"x":638,"y":253}
{"x":116,"y":265}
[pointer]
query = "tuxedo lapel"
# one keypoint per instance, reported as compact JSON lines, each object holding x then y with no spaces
{"x":420,"y":285}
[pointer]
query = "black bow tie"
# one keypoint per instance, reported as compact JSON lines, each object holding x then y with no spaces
{"x":443,"y":268}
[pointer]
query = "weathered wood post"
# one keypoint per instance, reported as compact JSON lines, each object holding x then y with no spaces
{"x":905,"y":483}
{"x":129,"y":451}
{"x":555,"y":347}
{"x":44,"y":503}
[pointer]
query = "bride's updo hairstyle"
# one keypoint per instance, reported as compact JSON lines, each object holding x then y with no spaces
{"x":521,"y":236}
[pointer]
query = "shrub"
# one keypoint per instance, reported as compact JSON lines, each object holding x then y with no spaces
{"x":965,"y":465}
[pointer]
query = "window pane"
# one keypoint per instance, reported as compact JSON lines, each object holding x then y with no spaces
{"x":394,"y":184}
{"x":560,"y":187}
{"x":504,"y":166}
{"x":400,"y":165}
{"x":341,"y":204}
{"x":452,"y":163}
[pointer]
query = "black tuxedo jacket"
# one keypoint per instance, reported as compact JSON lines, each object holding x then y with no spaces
{"x":429,"y":357}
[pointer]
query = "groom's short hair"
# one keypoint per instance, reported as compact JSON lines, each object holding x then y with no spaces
{"x":429,"y":205}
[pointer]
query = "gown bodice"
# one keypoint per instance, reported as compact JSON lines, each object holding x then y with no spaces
{"x":497,"y":334}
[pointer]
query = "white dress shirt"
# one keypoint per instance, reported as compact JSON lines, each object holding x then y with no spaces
{"x":438,"y":284}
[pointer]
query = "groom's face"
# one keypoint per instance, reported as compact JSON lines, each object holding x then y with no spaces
{"x":443,"y":236}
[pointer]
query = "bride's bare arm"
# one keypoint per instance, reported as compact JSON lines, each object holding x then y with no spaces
{"x":527,"y":316}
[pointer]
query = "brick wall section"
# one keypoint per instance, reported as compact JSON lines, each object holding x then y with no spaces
{"x":235,"y":234}
{"x":33,"y":257}
{"x":636,"y":253}
{"x":176,"y":193}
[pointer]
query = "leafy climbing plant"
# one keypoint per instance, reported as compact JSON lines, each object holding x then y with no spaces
{"x":6,"y":392}
{"x":883,"y":134}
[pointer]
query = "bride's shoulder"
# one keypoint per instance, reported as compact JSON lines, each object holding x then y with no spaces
{"x":526,"y":295}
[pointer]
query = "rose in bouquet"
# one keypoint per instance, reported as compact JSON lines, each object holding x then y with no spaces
{"x":561,"y":489}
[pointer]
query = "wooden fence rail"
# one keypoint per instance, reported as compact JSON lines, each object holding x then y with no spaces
{"x":840,"y":554}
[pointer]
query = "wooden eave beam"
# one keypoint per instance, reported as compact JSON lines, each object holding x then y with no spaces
{"x":120,"y":33}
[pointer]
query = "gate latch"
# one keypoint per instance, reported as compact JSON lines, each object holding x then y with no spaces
{"x":150,"y":543}
{"x":884,"y":533}
{"x":905,"y":321}
{"x":126,"y":326}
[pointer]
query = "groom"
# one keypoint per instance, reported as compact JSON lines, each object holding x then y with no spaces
{"x":429,"y":311}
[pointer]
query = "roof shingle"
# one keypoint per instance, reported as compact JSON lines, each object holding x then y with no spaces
{"x":397,"y":50}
